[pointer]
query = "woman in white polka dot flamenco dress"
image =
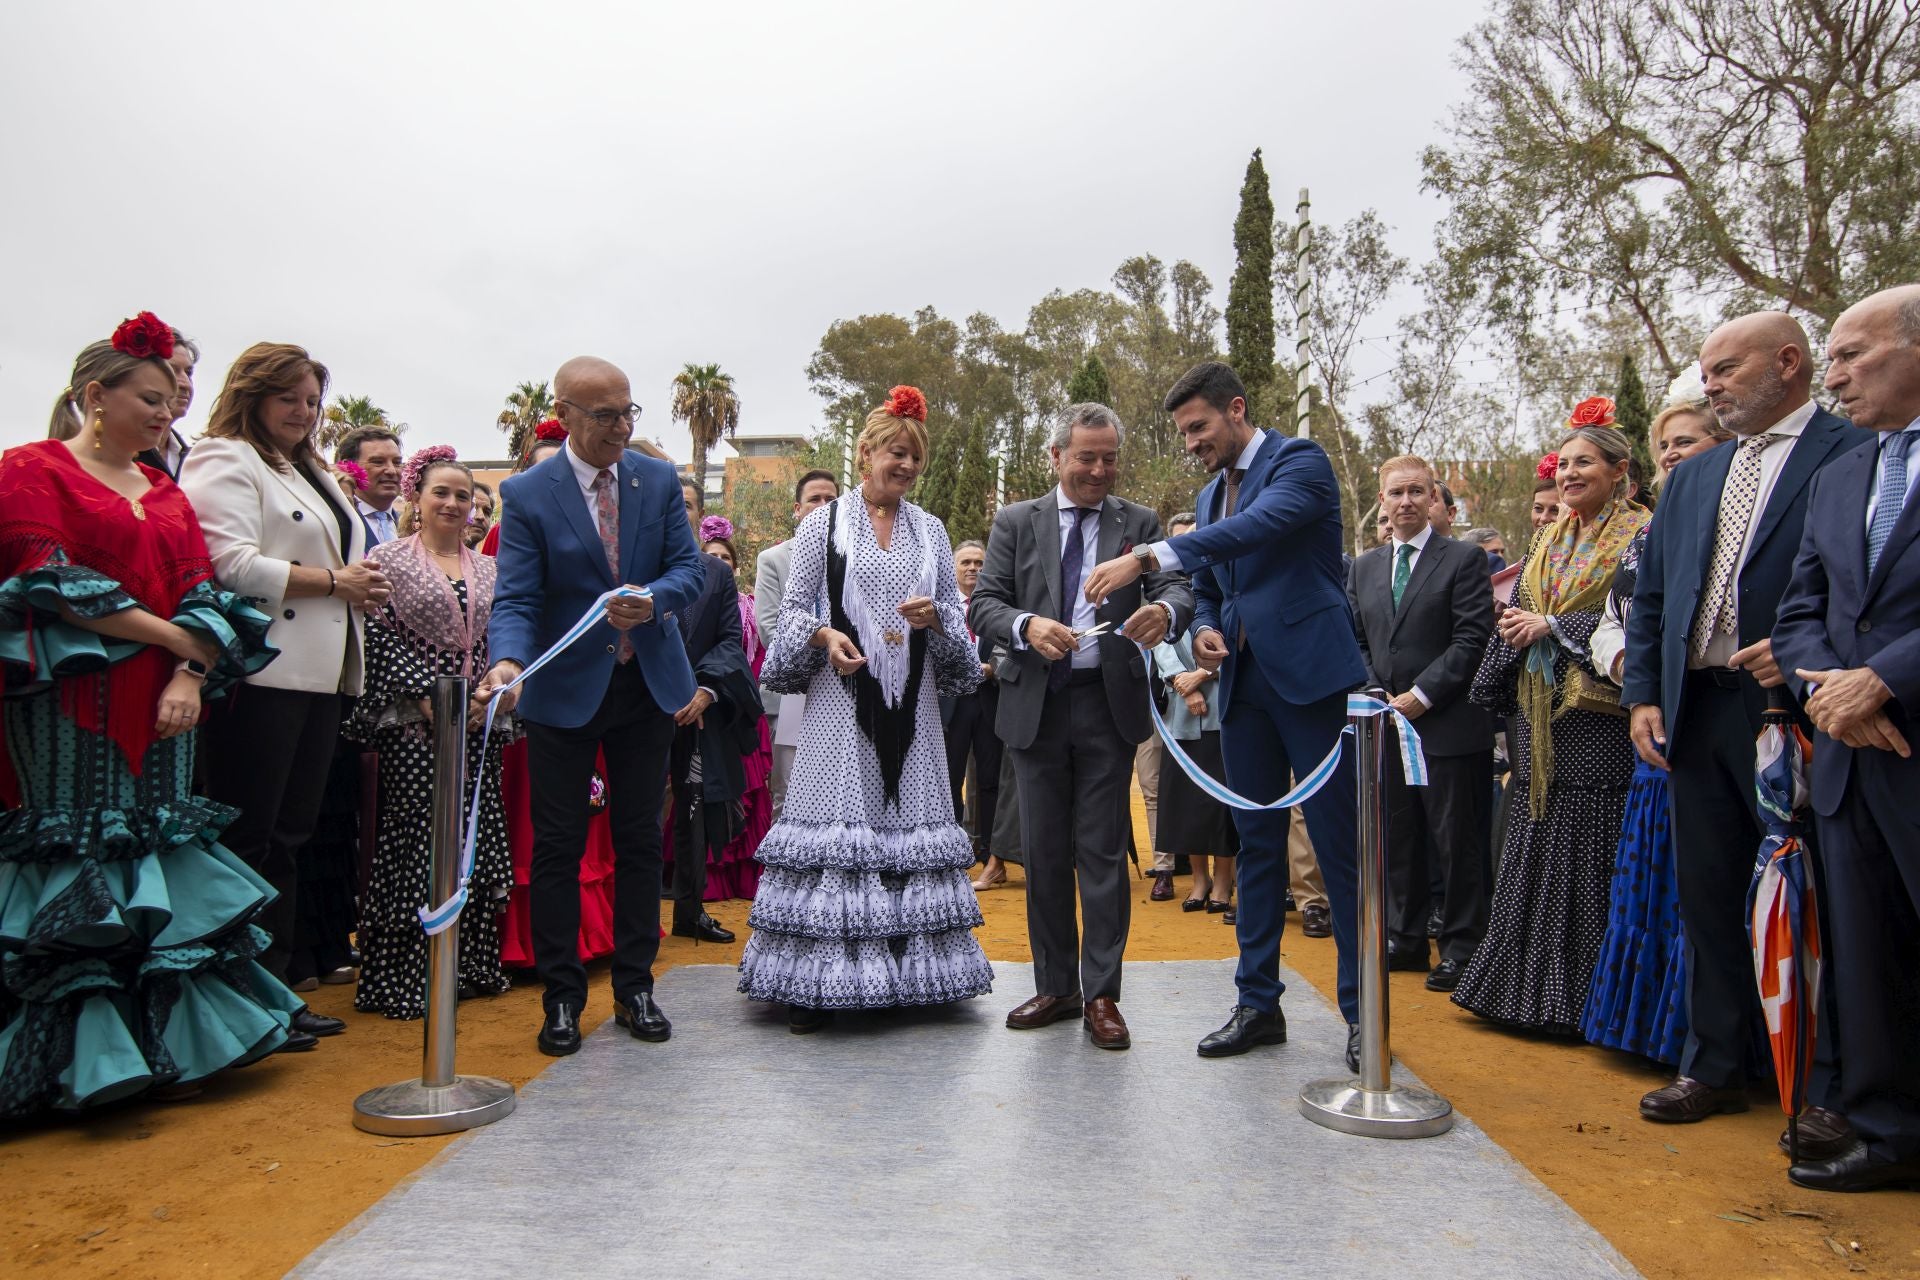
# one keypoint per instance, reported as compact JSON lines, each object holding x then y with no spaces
{"x":864,"y":902}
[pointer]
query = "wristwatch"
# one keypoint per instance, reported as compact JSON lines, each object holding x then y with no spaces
{"x":194,"y":667}
{"x":1144,"y":554}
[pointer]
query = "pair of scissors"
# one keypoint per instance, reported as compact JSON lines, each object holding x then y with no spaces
{"x":1099,"y":629}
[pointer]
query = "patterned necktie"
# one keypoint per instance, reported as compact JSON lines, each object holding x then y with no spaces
{"x":1892,"y":495}
{"x":1233,"y":491}
{"x":1730,"y":534}
{"x":1402,"y":570}
{"x":608,"y":518}
{"x":1072,"y":560}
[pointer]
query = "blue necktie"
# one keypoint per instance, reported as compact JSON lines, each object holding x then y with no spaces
{"x":1072,"y":558}
{"x":1892,"y":497}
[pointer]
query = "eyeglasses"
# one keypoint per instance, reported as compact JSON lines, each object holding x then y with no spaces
{"x":604,"y":418}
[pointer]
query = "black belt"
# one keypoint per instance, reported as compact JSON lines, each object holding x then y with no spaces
{"x":1084,"y":675}
{"x":1720,"y":677}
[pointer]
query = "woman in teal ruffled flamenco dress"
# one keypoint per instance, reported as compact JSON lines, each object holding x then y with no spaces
{"x":126,"y":938}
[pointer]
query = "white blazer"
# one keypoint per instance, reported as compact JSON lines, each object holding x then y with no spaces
{"x":260,"y":523}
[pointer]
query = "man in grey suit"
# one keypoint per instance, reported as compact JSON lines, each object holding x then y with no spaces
{"x":814,"y":489}
{"x":1424,"y":604}
{"x":1072,"y":710}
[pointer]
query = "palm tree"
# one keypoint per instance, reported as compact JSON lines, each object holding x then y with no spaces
{"x":704,"y":399}
{"x":348,"y":412}
{"x":528,"y":405}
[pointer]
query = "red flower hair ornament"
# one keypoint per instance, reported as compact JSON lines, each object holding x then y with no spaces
{"x":1594,"y":411}
{"x":145,"y":337}
{"x":422,"y":460}
{"x":552,"y":429}
{"x":906,"y":402}
{"x":1549,"y":467}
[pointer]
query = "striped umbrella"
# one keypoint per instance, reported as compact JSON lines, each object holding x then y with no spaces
{"x":1783,"y":923}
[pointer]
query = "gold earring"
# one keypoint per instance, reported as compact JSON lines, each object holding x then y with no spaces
{"x":99,"y":428}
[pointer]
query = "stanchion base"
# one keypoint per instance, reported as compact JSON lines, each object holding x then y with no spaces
{"x":411,"y":1109}
{"x":1397,"y":1111}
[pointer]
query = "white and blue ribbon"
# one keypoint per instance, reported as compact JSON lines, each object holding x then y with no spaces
{"x":1413,"y":762}
{"x":441,"y":918}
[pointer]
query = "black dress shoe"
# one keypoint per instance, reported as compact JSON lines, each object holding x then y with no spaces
{"x":642,"y":1017}
{"x":1353,"y":1050}
{"x":1244,"y":1030}
{"x":297,"y":1042}
{"x":1408,"y":958}
{"x":1315,"y":922}
{"x":1855,"y":1169}
{"x":803,"y":1021}
{"x":1687,"y":1101}
{"x":705,"y":928}
{"x":560,"y":1033}
{"x":1823,"y":1135}
{"x":316,"y":1024}
{"x":1435,"y":923}
{"x":1445,"y":976}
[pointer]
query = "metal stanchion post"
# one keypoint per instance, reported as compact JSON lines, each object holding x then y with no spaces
{"x":1373,"y":1106}
{"x":440,"y":1101}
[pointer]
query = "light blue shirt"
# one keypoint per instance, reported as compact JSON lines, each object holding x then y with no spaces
{"x":1880,"y":466}
{"x":1088,"y":654}
{"x":384,"y":525}
{"x":1172,"y":658}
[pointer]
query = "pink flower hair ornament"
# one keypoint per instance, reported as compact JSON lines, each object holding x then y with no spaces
{"x":417,"y":466}
{"x":716,"y":527}
{"x":353,"y":471}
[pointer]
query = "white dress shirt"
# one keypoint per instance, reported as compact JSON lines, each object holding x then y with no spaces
{"x":585,"y":473}
{"x":1163,"y":553}
{"x":1773,"y":459}
{"x":1088,"y":653}
{"x":1879,"y":465}
{"x":384,"y":524}
{"x":1419,"y":543}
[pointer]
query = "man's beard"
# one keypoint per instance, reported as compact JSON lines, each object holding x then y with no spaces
{"x":1746,"y":414}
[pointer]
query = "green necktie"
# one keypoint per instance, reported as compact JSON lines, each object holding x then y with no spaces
{"x":1402,"y":569}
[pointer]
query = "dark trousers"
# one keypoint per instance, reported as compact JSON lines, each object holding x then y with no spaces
{"x":689,"y":851}
{"x":1073,"y":783}
{"x":637,"y":736}
{"x":1439,"y":831}
{"x":1267,"y":740}
{"x":268,"y":751}
{"x":970,"y":735}
{"x":1716,"y":833}
{"x":1871,"y":851}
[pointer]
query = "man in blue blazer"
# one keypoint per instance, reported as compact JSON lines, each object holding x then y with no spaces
{"x":1272,"y":615}
{"x":591,"y":517}
{"x":1849,"y":636}
{"x":1697,"y":669}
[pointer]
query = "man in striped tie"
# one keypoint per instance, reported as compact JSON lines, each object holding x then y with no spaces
{"x":1849,"y":634}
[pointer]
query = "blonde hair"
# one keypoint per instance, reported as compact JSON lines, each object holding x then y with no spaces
{"x":1696,"y":408}
{"x":1408,"y":462}
{"x":883,"y":429}
{"x":98,"y":362}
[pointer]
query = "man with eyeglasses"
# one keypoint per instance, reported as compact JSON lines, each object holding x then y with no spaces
{"x":593,"y":516}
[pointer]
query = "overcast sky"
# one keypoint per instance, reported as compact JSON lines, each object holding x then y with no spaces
{"x":442,"y":200}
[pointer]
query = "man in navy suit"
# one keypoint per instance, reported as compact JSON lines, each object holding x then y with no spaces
{"x":593,"y":516}
{"x":1849,"y":634}
{"x":1697,"y":669}
{"x":1272,"y":616}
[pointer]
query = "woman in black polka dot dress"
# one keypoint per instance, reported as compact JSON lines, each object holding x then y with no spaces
{"x":435,"y":624}
{"x":1572,"y":760}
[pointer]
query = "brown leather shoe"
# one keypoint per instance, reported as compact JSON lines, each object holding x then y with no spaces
{"x":1824,"y":1135}
{"x":1316,"y":923}
{"x":1105,"y":1025}
{"x":1687,"y":1100}
{"x":1044,"y":1011}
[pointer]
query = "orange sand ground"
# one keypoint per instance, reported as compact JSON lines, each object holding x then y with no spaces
{"x":247,"y":1179}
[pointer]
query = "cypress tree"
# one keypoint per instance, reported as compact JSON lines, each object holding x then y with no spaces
{"x":1631,"y":415}
{"x":934,"y":491}
{"x":1090,"y":383}
{"x":1250,"y":295}
{"x":971,"y":489}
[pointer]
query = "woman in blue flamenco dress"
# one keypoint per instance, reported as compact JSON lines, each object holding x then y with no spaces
{"x":126,"y":943}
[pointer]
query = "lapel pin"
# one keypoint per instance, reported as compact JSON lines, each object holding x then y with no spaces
{"x":633,"y":482}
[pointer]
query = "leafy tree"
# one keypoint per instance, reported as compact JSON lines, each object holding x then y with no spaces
{"x":1250,"y":293}
{"x":349,"y":412}
{"x":1630,"y":413}
{"x":704,"y":399}
{"x":528,"y":405}
{"x":761,"y":506}
{"x":1656,"y":156}
{"x":1090,"y":382}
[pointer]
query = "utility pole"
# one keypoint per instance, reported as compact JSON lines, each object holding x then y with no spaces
{"x":1302,"y":314}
